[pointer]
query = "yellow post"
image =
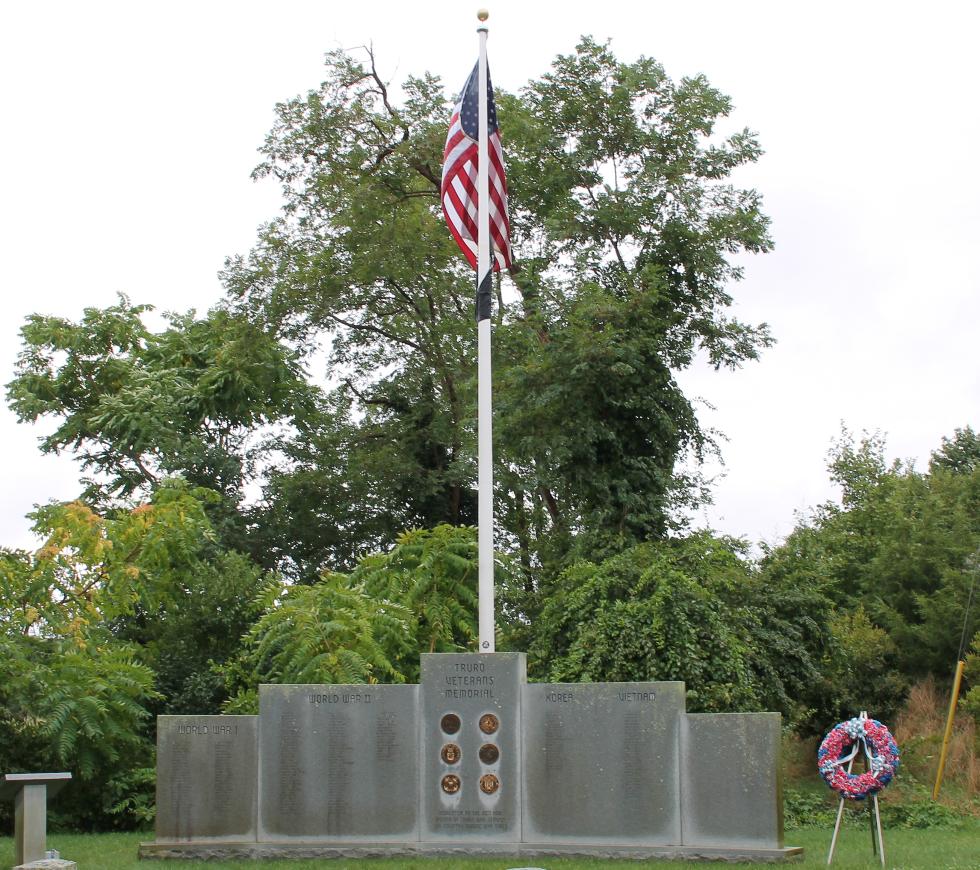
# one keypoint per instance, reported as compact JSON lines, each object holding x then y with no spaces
{"x":949,"y":727}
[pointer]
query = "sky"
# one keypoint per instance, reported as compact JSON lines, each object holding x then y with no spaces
{"x":130,"y":131}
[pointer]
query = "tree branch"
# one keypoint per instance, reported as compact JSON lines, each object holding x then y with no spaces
{"x":426,"y":171}
{"x":382,"y":88}
{"x":609,"y":238}
{"x":551,"y":504}
{"x":366,"y":327}
{"x":367,"y":400}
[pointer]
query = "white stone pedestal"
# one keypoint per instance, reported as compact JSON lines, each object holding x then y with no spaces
{"x":29,"y":792}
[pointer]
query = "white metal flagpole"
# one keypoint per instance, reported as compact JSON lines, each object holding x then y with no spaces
{"x":484,"y":415}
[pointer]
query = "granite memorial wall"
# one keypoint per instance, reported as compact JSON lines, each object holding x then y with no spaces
{"x":207,"y":777}
{"x":472,"y":759}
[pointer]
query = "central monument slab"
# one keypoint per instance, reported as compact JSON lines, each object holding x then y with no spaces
{"x":471,"y":764}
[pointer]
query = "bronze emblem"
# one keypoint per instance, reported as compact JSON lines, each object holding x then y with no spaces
{"x":489,"y":723}
{"x":450,"y":723}
{"x":450,"y":753}
{"x":489,"y":753}
{"x":450,"y":783}
{"x":489,"y":783}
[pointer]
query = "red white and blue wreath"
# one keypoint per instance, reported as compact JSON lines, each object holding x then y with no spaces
{"x":856,"y":734}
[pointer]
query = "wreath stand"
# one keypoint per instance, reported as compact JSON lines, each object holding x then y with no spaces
{"x":877,"y":844}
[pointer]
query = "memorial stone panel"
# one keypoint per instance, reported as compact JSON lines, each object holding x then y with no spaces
{"x":732,"y":793}
{"x":338,"y":762}
{"x":471,"y":762}
{"x":601,"y":762}
{"x":206,"y":778}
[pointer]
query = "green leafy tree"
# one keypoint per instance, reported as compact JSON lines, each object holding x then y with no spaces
{"x":117,"y":616}
{"x":894,"y":558}
{"x":193,"y":626}
{"x":971,"y":701}
{"x":959,"y":454}
{"x":330,"y":632}
{"x":859,"y":668}
{"x":94,"y":568}
{"x":369,"y":625}
{"x":624,"y":223}
{"x":687,"y":609}
{"x":137,"y":406}
{"x":79,"y":705}
{"x":906,"y":540}
{"x":336,"y":496}
{"x":432,"y":573}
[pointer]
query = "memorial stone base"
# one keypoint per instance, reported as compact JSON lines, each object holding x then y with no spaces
{"x":472,"y":761}
{"x":49,"y":864}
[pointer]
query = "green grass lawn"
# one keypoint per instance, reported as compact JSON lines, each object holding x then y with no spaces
{"x":905,"y":850}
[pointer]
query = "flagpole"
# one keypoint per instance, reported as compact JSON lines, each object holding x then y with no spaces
{"x":484,"y":413}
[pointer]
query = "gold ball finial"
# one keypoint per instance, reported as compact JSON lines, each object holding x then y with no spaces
{"x":482,"y":14}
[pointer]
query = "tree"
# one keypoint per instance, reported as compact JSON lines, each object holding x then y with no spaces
{"x":118,"y":616}
{"x":432,"y":574}
{"x":894,"y":558}
{"x":93,"y":568}
{"x":689,"y":609}
{"x":136,"y":406}
{"x":324,"y":633}
{"x":960,"y":454}
{"x":369,"y":625}
{"x":342,"y":489}
{"x":81,"y":706}
{"x":193,"y":626}
{"x":331,"y":631}
{"x":624,"y":222}
{"x":971,"y":701}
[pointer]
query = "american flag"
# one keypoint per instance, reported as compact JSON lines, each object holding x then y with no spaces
{"x":459,"y":169}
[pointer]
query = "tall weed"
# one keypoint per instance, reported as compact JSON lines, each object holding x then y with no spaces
{"x":919,"y":733}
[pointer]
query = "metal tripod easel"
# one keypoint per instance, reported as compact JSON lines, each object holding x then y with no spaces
{"x":877,"y":843}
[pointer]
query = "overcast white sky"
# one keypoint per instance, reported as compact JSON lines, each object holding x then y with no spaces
{"x":130,"y":130}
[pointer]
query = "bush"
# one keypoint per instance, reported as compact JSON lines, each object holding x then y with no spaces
{"x":807,"y":809}
{"x":922,"y":813}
